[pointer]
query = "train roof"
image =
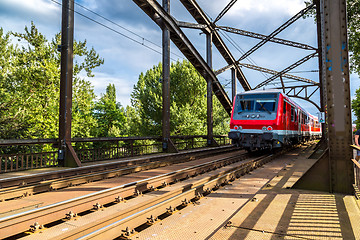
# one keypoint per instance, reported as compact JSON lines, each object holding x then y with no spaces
{"x":259,"y":91}
{"x":262,"y":91}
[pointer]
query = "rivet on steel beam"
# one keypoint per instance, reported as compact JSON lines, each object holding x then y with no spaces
{"x":70,"y":215}
{"x":97,"y":206}
{"x":119,"y":199}
{"x":254,"y":199}
{"x":36,"y":226}
{"x":207,"y":190}
{"x":164,"y":184}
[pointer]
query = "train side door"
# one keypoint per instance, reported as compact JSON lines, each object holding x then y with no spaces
{"x":286,"y":119}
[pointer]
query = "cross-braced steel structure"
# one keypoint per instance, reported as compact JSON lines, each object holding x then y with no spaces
{"x":333,"y":84}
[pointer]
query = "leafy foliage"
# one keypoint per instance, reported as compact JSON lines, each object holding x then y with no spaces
{"x":109,"y":114}
{"x":188,"y":103}
{"x":30,"y":82}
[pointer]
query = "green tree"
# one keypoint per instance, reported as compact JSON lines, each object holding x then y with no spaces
{"x":31,"y":82}
{"x":109,"y":115}
{"x":188,"y":103}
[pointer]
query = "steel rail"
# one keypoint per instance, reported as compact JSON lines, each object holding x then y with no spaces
{"x":128,"y":223}
{"x":20,"y":222}
{"x":33,"y":178}
{"x":55,"y":184}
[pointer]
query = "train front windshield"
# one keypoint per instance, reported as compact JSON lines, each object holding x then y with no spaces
{"x":257,"y":103}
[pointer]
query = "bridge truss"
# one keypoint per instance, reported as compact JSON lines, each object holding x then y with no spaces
{"x":333,"y":84}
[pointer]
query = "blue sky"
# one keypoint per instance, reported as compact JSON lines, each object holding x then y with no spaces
{"x":125,"y":59}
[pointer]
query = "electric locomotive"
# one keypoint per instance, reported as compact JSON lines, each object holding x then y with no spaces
{"x":266,"y":119}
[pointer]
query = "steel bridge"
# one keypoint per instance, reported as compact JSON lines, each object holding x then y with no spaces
{"x":333,"y":86}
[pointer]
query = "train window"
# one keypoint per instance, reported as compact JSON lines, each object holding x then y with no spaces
{"x":284,"y":107}
{"x":245,"y":105}
{"x":296,"y":115}
{"x":292,"y":113}
{"x":265,"y":105}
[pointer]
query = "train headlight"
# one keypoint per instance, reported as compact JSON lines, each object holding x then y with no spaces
{"x":238,"y":127}
{"x":264,"y":129}
{"x":248,"y":116}
{"x":269,"y":128}
{"x":258,"y":116}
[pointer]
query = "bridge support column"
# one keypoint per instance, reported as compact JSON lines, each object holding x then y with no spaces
{"x":67,"y":156}
{"x":210,"y":135}
{"x":168,"y":145}
{"x":233,"y":84}
{"x":335,"y":168}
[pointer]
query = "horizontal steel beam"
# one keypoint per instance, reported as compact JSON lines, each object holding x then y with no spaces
{"x":191,"y":25}
{"x":296,"y":64}
{"x":263,"y":37}
{"x":272,"y":35}
{"x":266,"y":70}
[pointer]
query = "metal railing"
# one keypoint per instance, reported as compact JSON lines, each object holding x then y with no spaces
{"x":356,"y":174}
{"x":18,"y":155}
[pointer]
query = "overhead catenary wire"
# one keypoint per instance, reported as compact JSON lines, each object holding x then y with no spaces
{"x":118,"y":32}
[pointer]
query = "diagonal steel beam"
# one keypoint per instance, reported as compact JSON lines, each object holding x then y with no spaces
{"x":263,"y":37}
{"x":199,"y":15}
{"x":227,"y":8}
{"x":273,"y":34}
{"x":156,"y":12}
{"x":266,"y":70}
{"x":298,"y":63}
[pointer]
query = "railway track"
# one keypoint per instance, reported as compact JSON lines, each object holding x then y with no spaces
{"x":18,"y":223}
{"x":24,"y":186}
{"x":137,"y":210}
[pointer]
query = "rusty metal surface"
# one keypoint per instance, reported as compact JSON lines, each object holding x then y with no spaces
{"x":16,"y":179}
{"x":52,"y":210}
{"x":263,"y":209}
{"x":129,"y":223}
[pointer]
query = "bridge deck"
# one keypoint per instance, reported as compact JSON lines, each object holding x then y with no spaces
{"x":262,"y":206}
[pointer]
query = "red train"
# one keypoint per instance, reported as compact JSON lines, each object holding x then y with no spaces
{"x":266,"y":119}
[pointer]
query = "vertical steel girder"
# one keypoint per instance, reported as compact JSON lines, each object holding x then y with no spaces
{"x":67,"y":156}
{"x":209,"y":95}
{"x":168,"y":146}
{"x":233,"y":84}
{"x":334,"y":171}
{"x":162,"y":18}
{"x":337,"y":82}
{"x":197,"y":13}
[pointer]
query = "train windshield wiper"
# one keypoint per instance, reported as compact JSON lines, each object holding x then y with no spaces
{"x":263,"y":107}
